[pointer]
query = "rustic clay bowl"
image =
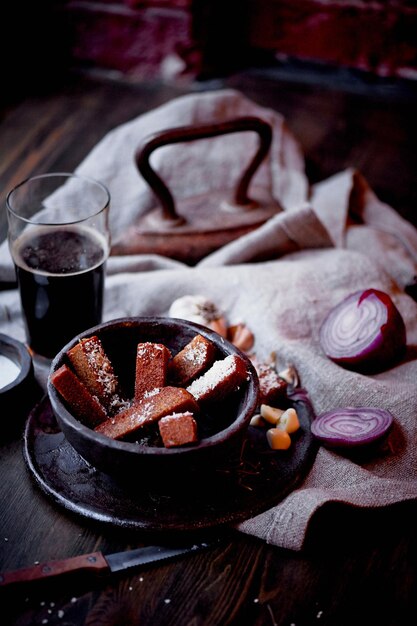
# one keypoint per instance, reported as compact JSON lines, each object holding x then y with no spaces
{"x":140,"y":463}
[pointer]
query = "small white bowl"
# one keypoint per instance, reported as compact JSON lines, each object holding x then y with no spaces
{"x":15,"y":396}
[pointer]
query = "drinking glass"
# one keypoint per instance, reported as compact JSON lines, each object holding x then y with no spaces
{"x":59,"y":240}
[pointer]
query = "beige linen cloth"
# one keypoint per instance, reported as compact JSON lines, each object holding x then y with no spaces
{"x":281,"y":280}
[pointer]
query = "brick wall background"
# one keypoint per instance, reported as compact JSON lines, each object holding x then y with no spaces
{"x":211,"y":37}
{"x":135,"y":38}
{"x":208,"y":38}
{"x":379,"y":36}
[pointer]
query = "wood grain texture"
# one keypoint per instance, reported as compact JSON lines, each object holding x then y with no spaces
{"x":358,"y":566}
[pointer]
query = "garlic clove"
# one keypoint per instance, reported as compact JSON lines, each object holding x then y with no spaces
{"x":278,"y":439}
{"x":257,"y":421}
{"x":271,"y":414}
{"x":290,"y":375}
{"x":289,"y":421}
{"x":241,"y":337}
{"x":219,"y":325}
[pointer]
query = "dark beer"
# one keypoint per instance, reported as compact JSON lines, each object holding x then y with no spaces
{"x":60,"y":273}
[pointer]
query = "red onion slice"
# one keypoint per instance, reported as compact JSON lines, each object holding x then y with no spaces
{"x":348,"y":427}
{"x":364,"y":332}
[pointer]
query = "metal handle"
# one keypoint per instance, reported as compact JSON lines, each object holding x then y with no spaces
{"x":190,"y":133}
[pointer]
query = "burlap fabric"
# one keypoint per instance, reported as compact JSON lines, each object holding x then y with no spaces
{"x":280,"y":280}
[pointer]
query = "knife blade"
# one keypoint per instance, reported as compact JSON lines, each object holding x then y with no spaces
{"x":98,"y":564}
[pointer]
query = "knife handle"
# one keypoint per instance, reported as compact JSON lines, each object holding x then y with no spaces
{"x":94,"y":563}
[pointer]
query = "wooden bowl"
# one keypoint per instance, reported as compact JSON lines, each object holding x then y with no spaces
{"x":152,"y":463}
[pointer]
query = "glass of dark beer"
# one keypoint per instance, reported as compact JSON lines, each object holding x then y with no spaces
{"x":59,"y":240}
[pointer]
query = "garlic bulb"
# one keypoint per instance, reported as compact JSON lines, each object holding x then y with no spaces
{"x":197,"y":308}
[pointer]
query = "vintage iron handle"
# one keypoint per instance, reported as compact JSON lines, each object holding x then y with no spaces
{"x":190,"y":133}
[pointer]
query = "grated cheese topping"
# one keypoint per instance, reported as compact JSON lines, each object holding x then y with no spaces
{"x":146,"y":349}
{"x":218,"y":372}
{"x":151,"y":392}
{"x":268,"y":376}
{"x":197,"y":354}
{"x":100,"y":365}
{"x":175,"y":416}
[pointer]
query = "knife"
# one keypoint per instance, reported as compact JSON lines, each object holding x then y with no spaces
{"x":97,"y":563}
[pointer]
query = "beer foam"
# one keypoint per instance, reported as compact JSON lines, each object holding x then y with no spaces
{"x":31,"y":234}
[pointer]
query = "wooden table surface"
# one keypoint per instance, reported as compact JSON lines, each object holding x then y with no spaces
{"x":357,"y":567}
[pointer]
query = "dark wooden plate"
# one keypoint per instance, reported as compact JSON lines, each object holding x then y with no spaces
{"x":237,"y":491}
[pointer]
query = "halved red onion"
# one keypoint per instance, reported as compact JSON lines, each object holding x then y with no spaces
{"x":364,"y":332}
{"x":350,"y":426}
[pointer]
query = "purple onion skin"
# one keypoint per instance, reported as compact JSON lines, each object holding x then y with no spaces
{"x":350,"y":439}
{"x":388,"y":346}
